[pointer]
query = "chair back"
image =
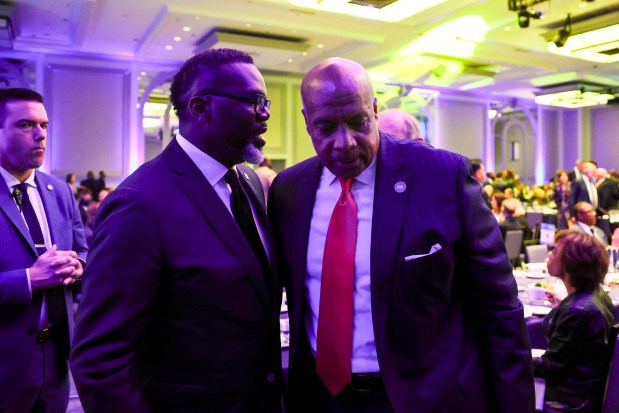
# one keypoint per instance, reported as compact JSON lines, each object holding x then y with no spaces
{"x":513,"y":243}
{"x":536,"y":253}
{"x":611,"y":392}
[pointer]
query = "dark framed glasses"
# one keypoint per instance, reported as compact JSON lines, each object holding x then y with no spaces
{"x":259,"y":101}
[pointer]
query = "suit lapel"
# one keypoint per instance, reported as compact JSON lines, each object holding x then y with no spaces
{"x":8,"y":206}
{"x":48,"y":194}
{"x":300,"y":203}
{"x":202,"y":195}
{"x":253,"y":188}
{"x":391,"y":196}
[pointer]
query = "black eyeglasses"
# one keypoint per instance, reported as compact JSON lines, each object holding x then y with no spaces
{"x":260,"y":102}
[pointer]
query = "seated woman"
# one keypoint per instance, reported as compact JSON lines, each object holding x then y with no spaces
{"x":576,"y":361}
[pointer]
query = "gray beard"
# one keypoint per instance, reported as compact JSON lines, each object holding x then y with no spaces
{"x":252,"y":154}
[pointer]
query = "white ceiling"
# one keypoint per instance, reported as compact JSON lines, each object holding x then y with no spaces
{"x":504,"y":64}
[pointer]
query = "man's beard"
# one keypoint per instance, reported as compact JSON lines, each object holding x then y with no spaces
{"x":252,"y":154}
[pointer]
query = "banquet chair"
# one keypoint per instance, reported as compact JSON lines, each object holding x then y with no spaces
{"x":536,"y":253}
{"x":513,"y":245}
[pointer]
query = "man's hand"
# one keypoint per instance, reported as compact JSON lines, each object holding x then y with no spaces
{"x":54,"y":268}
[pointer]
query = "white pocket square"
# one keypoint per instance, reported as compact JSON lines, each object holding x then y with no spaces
{"x":433,"y":249}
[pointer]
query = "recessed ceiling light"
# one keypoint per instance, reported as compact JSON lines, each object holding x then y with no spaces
{"x":289,"y":60}
{"x":186,"y":29}
{"x":320,"y":46}
{"x":247,"y":24}
{"x":177,"y":38}
{"x":143,"y":73}
{"x":169,"y":47}
{"x":304,"y":53}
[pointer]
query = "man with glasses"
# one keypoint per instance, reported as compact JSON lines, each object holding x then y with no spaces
{"x":180,"y":311}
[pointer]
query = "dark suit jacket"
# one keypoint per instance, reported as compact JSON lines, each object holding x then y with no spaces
{"x":577,"y":358}
{"x":608,"y":195}
{"x":578,"y":193}
{"x":19,"y":312}
{"x":449,"y":329}
{"x":176,"y":315}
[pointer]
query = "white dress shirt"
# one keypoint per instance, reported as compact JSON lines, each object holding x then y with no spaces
{"x":364,"y":357}
{"x":214,"y":173}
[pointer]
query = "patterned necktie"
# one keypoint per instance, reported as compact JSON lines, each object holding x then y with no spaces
{"x":334,"y":341}
{"x":241,"y":210}
{"x":55,"y":310}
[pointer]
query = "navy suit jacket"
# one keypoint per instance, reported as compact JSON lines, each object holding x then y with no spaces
{"x":608,"y":195}
{"x":578,"y":193}
{"x":448,"y":327}
{"x":19,"y":312}
{"x":176,"y":314}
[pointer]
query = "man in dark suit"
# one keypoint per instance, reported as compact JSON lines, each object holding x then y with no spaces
{"x":42,"y":245}
{"x":431,"y":318}
{"x":576,"y":173}
{"x":478,"y":170}
{"x":180,"y":309}
{"x":583,"y":189}
{"x":608,"y":191}
{"x":585,"y":220}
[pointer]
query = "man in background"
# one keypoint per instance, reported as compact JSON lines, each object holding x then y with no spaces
{"x":608,"y":191}
{"x":180,"y":304}
{"x":479,"y":173}
{"x":43,"y":251}
{"x":585,"y":220}
{"x":400,"y":293}
{"x":583,"y":189}
{"x":399,"y":124}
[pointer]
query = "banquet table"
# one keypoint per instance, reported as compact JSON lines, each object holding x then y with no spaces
{"x":535,"y":311}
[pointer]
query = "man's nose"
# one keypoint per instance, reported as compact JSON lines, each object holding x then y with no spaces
{"x":344,"y":138}
{"x":40,"y":133}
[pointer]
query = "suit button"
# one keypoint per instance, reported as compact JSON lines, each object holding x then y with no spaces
{"x":270,"y":377}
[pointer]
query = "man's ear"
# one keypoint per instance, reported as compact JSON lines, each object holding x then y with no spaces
{"x":198,"y":107}
{"x":306,"y":122}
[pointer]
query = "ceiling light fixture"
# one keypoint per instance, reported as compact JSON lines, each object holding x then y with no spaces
{"x":599,"y":45}
{"x":563,"y":34}
{"x":383,"y":10}
{"x":575,"y":95}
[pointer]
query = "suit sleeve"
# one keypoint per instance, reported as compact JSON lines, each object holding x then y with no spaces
{"x":490,"y":292}
{"x":14,"y":289}
{"x":120,"y":285}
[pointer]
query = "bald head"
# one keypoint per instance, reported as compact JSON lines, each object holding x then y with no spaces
{"x":340,"y":114}
{"x":400,"y":124}
{"x":338,"y":78}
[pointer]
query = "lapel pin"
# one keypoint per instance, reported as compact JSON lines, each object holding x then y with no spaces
{"x":50,"y":187}
{"x":399,"y":187}
{"x":246,"y":176}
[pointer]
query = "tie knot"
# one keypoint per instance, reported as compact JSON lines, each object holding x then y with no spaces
{"x":231,"y":178}
{"x":23,"y":187}
{"x":346,"y":184}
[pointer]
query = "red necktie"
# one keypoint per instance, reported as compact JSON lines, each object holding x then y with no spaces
{"x":334,"y":346}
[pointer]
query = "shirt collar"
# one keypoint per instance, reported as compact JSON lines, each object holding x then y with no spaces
{"x":212,"y":170}
{"x":11,"y":181}
{"x":367,"y":177}
{"x":584,"y":226}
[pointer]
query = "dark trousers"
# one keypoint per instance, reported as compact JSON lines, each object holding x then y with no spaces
{"x":307,"y":393}
{"x":46,"y":385}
